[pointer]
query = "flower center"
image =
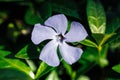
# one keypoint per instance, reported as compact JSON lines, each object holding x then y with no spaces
{"x":60,"y":38}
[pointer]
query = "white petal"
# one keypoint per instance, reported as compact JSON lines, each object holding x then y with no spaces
{"x":58,"y":22}
{"x":41,"y":33}
{"x":70,"y":54}
{"x":49,"y":54}
{"x":77,"y":33}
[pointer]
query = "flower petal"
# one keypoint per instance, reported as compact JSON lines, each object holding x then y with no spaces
{"x":58,"y":22}
{"x":70,"y":54}
{"x":77,"y":33}
{"x":49,"y":54}
{"x":41,"y":33}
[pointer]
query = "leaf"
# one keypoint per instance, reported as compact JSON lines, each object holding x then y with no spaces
{"x":13,"y":74}
{"x":31,"y":17}
{"x":68,"y":68}
{"x":53,"y":76}
{"x":63,"y":10}
{"x":90,"y":54}
{"x":28,"y":52}
{"x":88,"y":60}
{"x":102,"y":38}
{"x":4,"y":53}
{"x":43,"y":69}
{"x":113,"y":25}
{"x":45,"y":10}
{"x":114,"y":42}
{"x":89,"y":43}
{"x":116,"y":68}
{"x":96,"y":17}
{"x":85,"y":67}
{"x":83,"y":77}
{"x":15,"y":63}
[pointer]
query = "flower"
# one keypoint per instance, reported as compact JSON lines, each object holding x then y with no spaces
{"x":55,"y":29}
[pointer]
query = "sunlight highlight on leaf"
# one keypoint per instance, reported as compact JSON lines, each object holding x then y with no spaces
{"x":96,"y":17}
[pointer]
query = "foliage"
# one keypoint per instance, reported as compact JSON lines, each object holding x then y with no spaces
{"x":19,"y":58}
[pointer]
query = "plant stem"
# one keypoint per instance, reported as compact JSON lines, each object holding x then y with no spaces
{"x":99,"y":54}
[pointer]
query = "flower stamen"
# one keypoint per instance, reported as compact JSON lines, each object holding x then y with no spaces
{"x":60,"y":38}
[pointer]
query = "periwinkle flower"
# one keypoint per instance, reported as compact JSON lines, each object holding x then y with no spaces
{"x":55,"y":29}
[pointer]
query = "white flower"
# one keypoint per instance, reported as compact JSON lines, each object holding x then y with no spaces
{"x":54,"y":29}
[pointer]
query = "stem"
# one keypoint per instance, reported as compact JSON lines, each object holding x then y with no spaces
{"x":99,"y":54}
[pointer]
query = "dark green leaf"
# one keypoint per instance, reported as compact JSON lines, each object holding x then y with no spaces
{"x":13,"y":74}
{"x":113,"y":25}
{"x":68,"y":68}
{"x":116,"y":68}
{"x":96,"y":17}
{"x":15,"y":64}
{"x":43,"y":69}
{"x":88,"y":60}
{"x":45,"y":11}
{"x":28,"y":52}
{"x":85,"y":67}
{"x":71,"y":4}
{"x":114,"y":42}
{"x":90,"y":54}
{"x":61,"y":9}
{"x":32,"y":17}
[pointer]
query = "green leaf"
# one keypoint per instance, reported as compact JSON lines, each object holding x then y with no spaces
{"x":32,"y":17}
{"x":85,"y":67}
{"x":15,"y":63}
{"x":83,"y":77}
{"x":90,"y":54}
{"x":45,"y":11}
{"x":113,"y":25}
{"x":88,"y":60}
{"x":116,"y":68}
{"x":30,"y":51}
{"x":13,"y":74}
{"x":102,"y":38}
{"x":53,"y":76}
{"x":114,"y":42}
{"x":68,"y":68}
{"x":61,"y":9}
{"x":89,"y":43}
{"x":43,"y":69}
{"x":4,"y":53}
{"x":96,"y":17}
